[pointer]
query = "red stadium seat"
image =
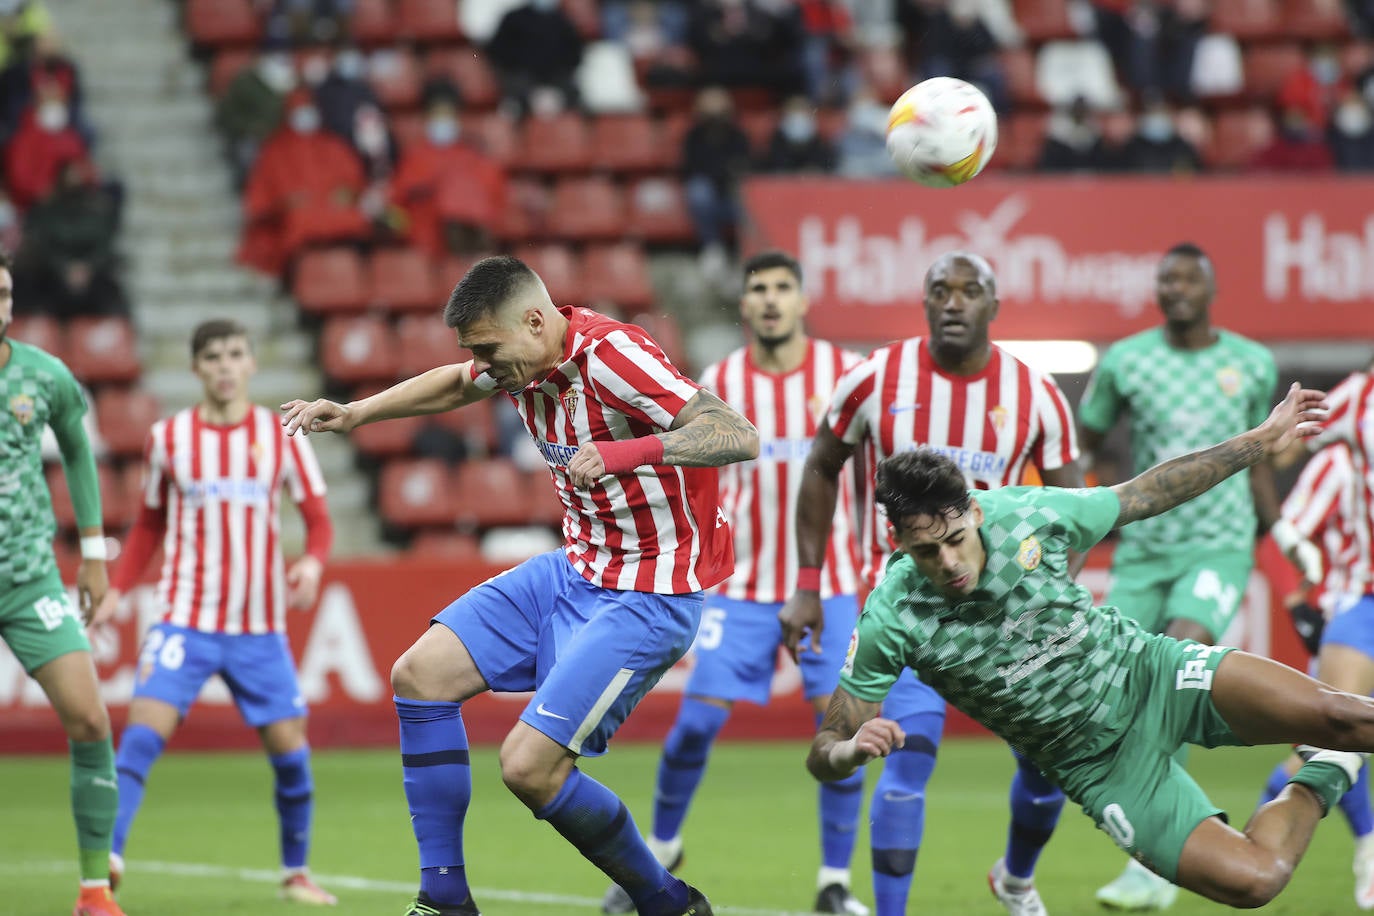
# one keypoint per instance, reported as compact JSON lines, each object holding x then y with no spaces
{"x":1247,"y":20}
{"x":395,"y":77}
{"x":413,"y":493}
{"x":585,"y":209}
{"x":527,"y":208}
{"x":389,"y":438}
{"x":426,"y":342}
{"x":560,"y":270}
{"x":665,"y":332}
{"x":407,"y":127}
{"x":372,"y":23}
{"x":124,"y":417}
{"x":222,"y":22}
{"x":117,"y":507}
{"x":1043,"y":20}
{"x":1267,"y":66}
{"x":674,"y":131}
{"x":42,"y":331}
{"x":1316,"y":20}
{"x":228,"y":63}
{"x":429,"y":21}
{"x":629,"y":143}
{"x":475,"y":423}
{"x":618,"y":273}
{"x":558,"y":143}
{"x":401,"y":279}
{"x":1018,"y":64}
{"x":753,"y":98}
{"x":658,"y":212}
{"x":1237,"y":136}
{"x":496,"y":135}
{"x":330,"y":280}
{"x":545,"y":506}
{"x":1023,"y":136}
{"x":470,"y":72}
{"x":489,"y":493}
{"x":447,"y":545}
{"x":359,"y":349}
{"x":102,"y":350}
{"x":447,"y":273}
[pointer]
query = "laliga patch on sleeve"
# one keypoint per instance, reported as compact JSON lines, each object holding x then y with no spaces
{"x":848,"y":667}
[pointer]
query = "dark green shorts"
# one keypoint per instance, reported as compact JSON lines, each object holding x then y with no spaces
{"x":1135,"y":791}
{"x":1154,"y":589}
{"x":39,"y":623}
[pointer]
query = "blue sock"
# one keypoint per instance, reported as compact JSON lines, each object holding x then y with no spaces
{"x":897,"y":813}
{"x":1355,"y":805}
{"x":1035,"y":806}
{"x":1277,"y":780}
{"x":139,"y":748}
{"x":596,"y":821}
{"x":840,"y":803}
{"x":684,"y":762}
{"x":438,"y":784}
{"x":295,"y":803}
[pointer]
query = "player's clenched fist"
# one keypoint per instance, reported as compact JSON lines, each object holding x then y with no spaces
{"x":875,"y":738}
{"x":587,"y":466}
{"x":318,"y":416}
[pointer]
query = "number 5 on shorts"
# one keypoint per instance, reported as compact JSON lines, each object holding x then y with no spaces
{"x":712,"y":628}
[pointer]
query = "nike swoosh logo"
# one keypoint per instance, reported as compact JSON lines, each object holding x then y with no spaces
{"x":902,"y":408}
{"x":902,"y":796}
{"x":552,"y":715}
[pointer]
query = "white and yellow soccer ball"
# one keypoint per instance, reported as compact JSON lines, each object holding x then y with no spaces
{"x":941,"y":132}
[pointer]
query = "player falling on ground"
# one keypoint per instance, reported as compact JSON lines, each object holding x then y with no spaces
{"x":211,"y":497}
{"x":37,"y":620}
{"x":1186,"y":385}
{"x":960,"y":393}
{"x":632,"y":448}
{"x":979,"y":600}
{"x":781,"y":382}
{"x":1324,"y":507}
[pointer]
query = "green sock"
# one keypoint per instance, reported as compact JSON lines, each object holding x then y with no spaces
{"x":95,"y":798}
{"x":1329,"y":780}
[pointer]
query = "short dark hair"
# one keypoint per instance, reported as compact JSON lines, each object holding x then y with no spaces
{"x":486,"y":287}
{"x":921,"y":482}
{"x":1187,"y":250}
{"x":767,"y":260}
{"x":215,"y":329}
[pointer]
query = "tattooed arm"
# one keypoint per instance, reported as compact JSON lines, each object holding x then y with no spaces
{"x":708,"y":433}
{"x":850,"y":736}
{"x":1174,"y":482}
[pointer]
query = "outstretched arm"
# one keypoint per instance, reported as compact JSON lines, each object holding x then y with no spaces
{"x":440,"y":389}
{"x":851,"y":735}
{"x":1174,"y":482}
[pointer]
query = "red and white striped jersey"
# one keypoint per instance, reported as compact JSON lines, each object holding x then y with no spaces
{"x":1351,"y":421}
{"x":655,"y":529}
{"x":220,"y":489}
{"x":991,"y":424}
{"x":1322,"y":507}
{"x":760,"y":496}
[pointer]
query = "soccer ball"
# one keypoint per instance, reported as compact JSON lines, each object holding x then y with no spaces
{"x":941,"y":132}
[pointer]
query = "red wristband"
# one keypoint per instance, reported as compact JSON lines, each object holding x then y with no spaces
{"x":623,"y":455}
{"x":809,"y":579}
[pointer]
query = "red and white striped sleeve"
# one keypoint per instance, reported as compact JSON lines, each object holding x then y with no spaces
{"x":1058,"y":442}
{"x":155,"y":463}
{"x":1349,"y":404}
{"x":848,"y":413}
{"x":300,"y":469}
{"x":633,"y":376}
{"x":1315,"y":499}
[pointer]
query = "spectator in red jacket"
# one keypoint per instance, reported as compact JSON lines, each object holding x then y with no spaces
{"x":1298,"y":147}
{"x":45,"y":141}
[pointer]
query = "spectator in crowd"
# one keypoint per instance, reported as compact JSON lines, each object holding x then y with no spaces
{"x":44,"y":64}
{"x":955,"y":39}
{"x":1157,"y":146}
{"x":1361,"y":14}
{"x":1351,"y":134}
{"x":306,"y":22}
{"x":43,"y":143}
{"x":745,"y":43}
{"x":21,"y":21}
{"x":862,"y":148}
{"x":304,"y":188}
{"x":1299,"y":146}
{"x":1315,"y":88}
{"x":536,"y":46}
{"x":827,"y":51}
{"x":68,"y":261}
{"x":342,"y":92}
{"x":448,"y":193}
{"x":656,"y":36}
{"x":715,"y":156}
{"x":1155,"y":41}
{"x":797,"y":145}
{"x":251,"y":108}
{"x":1073,"y":141}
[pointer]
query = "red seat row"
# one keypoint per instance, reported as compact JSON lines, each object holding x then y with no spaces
{"x":120,"y":495}
{"x":95,"y":349}
{"x":478,"y":494}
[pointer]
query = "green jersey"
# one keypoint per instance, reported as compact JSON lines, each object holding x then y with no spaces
{"x":36,"y":390}
{"x":1181,"y":401}
{"x":1025,"y":653}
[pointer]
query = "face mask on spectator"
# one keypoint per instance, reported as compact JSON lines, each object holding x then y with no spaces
{"x":441,"y":131}
{"x":350,"y":65}
{"x":1156,"y":127}
{"x":305,"y":119}
{"x":276,"y":71}
{"x":371,"y":136}
{"x":52,"y":116}
{"x":798,"y":126}
{"x":869,"y":117}
{"x":1353,"y":119}
{"x":314,"y":70}
{"x":1326,"y":70}
{"x":7,"y":215}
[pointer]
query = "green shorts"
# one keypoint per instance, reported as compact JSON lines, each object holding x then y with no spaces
{"x":1154,"y":589}
{"x":1135,"y":791}
{"x":39,"y":623}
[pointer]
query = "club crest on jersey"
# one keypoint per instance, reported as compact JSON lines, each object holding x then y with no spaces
{"x":569,"y":399}
{"x":848,"y":666}
{"x":1228,"y":379}
{"x":21,"y":405}
{"x":1029,"y":553}
{"x":998,"y":417}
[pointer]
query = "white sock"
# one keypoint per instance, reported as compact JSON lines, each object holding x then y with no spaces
{"x":95,"y":882}
{"x":666,"y":851}
{"x":1017,"y":884}
{"x":828,"y":876}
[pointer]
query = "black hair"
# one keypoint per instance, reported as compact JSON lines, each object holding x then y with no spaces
{"x":487,"y":286}
{"x":1187,"y":250}
{"x":921,"y":482}
{"x":215,"y":329}
{"x":767,"y":260}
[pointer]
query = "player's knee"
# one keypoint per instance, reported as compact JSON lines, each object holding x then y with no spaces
{"x":696,"y":728}
{"x":527,"y":776}
{"x":89,"y":723}
{"x":408,"y":678}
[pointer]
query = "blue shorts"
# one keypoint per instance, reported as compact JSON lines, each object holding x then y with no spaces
{"x":911,"y":696}
{"x":175,"y":662}
{"x":737,"y":649}
{"x":1352,"y":624}
{"x":590,"y":654}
